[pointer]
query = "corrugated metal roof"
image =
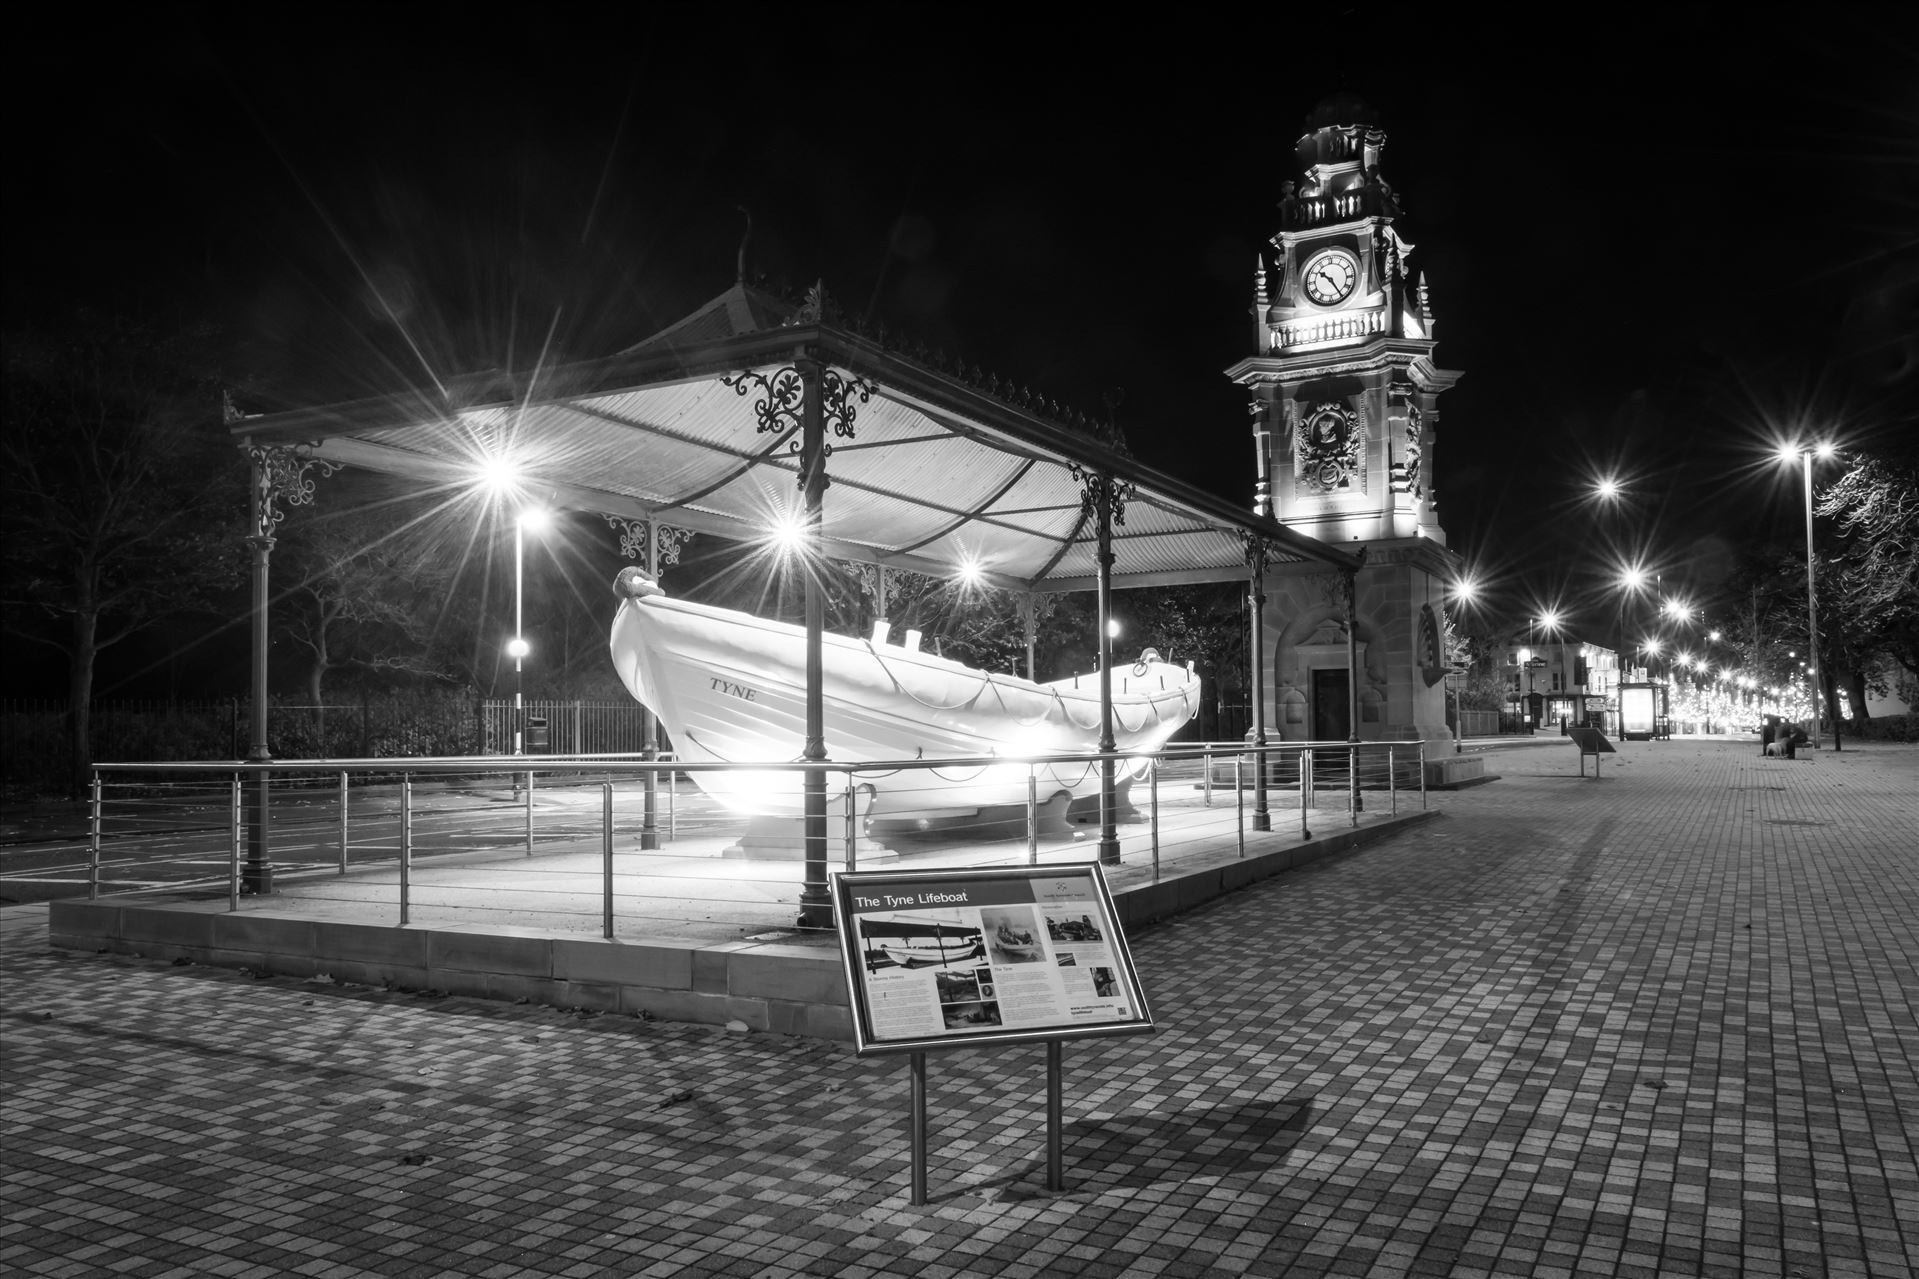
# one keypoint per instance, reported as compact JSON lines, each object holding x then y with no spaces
{"x":938,"y":469}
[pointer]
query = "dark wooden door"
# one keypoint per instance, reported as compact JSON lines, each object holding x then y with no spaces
{"x":1332,"y":712}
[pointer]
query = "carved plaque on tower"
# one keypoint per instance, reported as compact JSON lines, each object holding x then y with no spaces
{"x":1329,"y":449}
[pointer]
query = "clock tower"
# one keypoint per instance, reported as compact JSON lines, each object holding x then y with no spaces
{"x":1343,"y":400}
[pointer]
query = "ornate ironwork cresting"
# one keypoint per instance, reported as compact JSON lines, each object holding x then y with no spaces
{"x":781,"y":402}
{"x":280,"y":471}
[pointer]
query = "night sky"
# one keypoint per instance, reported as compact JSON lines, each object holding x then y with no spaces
{"x":1655,"y":244}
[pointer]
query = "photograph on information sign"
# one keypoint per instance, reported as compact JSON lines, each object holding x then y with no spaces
{"x":1023,"y":952}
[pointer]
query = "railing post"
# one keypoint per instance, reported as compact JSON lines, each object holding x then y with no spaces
{"x":852,"y":828}
{"x":343,"y":820}
{"x":1239,"y":802}
{"x":233,"y":855}
{"x":1032,"y":815}
{"x":606,"y":849}
{"x":1305,"y":790}
{"x":1352,"y":781}
{"x":1208,"y":757}
{"x":406,"y":846}
{"x":93,"y":838}
{"x":1154,"y":765}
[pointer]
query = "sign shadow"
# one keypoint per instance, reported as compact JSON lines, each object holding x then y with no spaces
{"x":1136,"y":1150}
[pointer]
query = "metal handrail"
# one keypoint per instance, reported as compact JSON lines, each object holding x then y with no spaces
{"x":607,"y":769}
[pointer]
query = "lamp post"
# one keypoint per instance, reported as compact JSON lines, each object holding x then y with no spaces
{"x":1463,"y":592}
{"x":532,"y":518}
{"x":1805,"y":456}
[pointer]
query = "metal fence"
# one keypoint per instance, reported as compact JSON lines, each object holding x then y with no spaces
{"x":1477,"y":723}
{"x":35,"y":758}
{"x":365,"y":835}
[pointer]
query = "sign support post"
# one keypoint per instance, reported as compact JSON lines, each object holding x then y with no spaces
{"x":1055,"y":1110}
{"x":919,"y":1130}
{"x":979,"y":957}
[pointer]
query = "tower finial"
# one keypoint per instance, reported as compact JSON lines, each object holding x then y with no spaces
{"x":739,"y":273}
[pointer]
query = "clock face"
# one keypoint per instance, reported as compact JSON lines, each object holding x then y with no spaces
{"x":1330,"y":276}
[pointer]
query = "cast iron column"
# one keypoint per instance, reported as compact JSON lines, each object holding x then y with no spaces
{"x":1102,"y":498}
{"x":1029,"y":615}
{"x":277,"y":471}
{"x":1108,"y":800}
{"x":1256,"y":596}
{"x":654,"y":544}
{"x":257,"y":875}
{"x":650,"y":724}
{"x":816,"y":902}
{"x":808,"y":396}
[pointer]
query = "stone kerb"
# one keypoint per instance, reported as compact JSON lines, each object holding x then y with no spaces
{"x":767,"y":986}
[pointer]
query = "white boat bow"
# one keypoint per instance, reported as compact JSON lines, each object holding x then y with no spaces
{"x":730,"y":687}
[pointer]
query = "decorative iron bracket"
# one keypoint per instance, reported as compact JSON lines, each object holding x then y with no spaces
{"x":668,"y":539}
{"x":280,"y":471}
{"x":1259,"y":548}
{"x":782,"y":399}
{"x":1100,"y":490}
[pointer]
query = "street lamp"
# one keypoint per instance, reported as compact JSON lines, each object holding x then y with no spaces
{"x":532,"y":519}
{"x":1464,"y":591}
{"x":1805,"y":455}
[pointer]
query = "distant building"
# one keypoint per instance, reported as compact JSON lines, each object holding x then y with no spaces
{"x":1560,"y":682}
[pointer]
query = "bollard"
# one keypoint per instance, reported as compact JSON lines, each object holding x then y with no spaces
{"x":606,"y":848}
{"x":1392,"y":781}
{"x":529,"y":814}
{"x":1422,"y":774}
{"x":343,"y":823}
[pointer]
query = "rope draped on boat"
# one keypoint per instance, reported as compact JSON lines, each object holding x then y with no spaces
{"x":797,"y":759}
{"x":986,"y":682}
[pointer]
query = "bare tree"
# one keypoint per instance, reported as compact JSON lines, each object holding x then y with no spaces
{"x":124,"y":501}
{"x":362,"y":585}
{"x":1876,"y":504}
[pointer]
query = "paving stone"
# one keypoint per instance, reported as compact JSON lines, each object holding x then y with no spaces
{"x":1661,"y":1023}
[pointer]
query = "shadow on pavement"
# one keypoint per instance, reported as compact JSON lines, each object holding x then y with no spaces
{"x":1146,"y":1150}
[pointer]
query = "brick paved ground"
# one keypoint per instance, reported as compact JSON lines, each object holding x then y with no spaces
{"x":1659,"y":1024}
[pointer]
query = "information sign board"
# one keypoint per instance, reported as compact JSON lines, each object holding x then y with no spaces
{"x":1638,"y":711}
{"x":965,"y":956}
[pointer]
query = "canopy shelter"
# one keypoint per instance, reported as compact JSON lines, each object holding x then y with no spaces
{"x":755,"y":412}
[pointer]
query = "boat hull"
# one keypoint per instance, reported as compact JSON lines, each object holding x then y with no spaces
{"x":731,"y":688}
